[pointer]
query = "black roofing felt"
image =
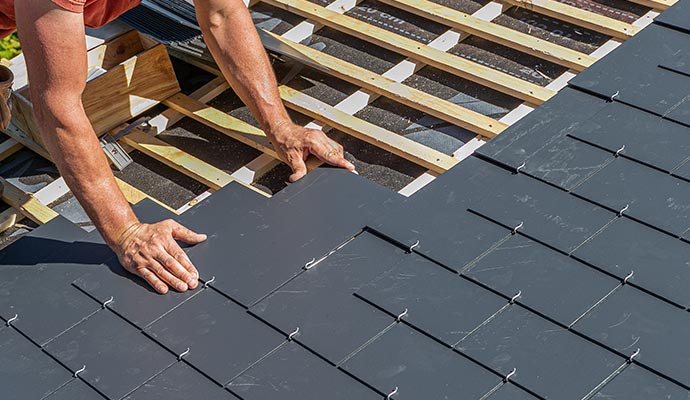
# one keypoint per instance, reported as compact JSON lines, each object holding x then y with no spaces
{"x":552,"y":264}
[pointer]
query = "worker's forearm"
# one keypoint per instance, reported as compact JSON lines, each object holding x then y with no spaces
{"x":230,"y":35}
{"x":77,"y":153}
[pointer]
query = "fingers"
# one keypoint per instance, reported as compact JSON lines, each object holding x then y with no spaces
{"x":153,"y":280}
{"x":331,"y":152}
{"x":184,"y":234}
{"x":296,"y":162}
{"x":170,"y":271}
{"x":152,"y":253}
{"x":176,"y":261}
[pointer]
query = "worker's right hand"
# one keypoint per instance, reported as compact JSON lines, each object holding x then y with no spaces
{"x":150,"y":251}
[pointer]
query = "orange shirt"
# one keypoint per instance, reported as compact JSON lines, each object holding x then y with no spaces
{"x":96,"y":12}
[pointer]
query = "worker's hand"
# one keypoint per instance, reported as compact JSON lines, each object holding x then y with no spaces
{"x":150,"y":251}
{"x":294,"y":143}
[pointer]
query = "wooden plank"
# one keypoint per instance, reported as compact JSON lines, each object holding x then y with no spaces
{"x":660,"y":5}
{"x":204,"y":94}
{"x":222,"y":122}
{"x":134,"y":195}
{"x":26,"y":203}
{"x":432,"y":105}
{"x":380,"y":137}
{"x":574,"y":15}
{"x":496,"y":33}
{"x":177,"y":159}
{"x":9,"y":218}
{"x":459,"y":66}
{"x":9,"y":147}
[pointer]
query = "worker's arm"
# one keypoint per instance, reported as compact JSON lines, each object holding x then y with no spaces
{"x":230,"y":35}
{"x":54,"y":46}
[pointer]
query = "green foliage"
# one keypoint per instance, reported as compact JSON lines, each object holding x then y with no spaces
{"x":10,"y":47}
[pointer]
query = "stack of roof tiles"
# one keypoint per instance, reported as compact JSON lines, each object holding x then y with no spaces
{"x":552,"y":264}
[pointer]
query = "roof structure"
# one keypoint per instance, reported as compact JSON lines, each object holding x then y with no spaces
{"x":551,"y":264}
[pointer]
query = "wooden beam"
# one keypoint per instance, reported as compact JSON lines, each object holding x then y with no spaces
{"x":26,"y":203}
{"x":222,"y":122}
{"x":496,"y":33}
{"x":660,"y":5}
{"x":459,"y":66}
{"x":583,"y":18}
{"x":368,"y":132}
{"x":427,"y":103}
{"x":132,"y":194}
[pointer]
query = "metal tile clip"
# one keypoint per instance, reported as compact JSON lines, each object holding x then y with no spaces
{"x":521,"y":166}
{"x":624,"y":209}
{"x":517,"y":295}
{"x":401,"y":315}
{"x":413,"y":246}
{"x":627,"y":278}
{"x":210,"y":281}
{"x":510,"y":375}
{"x":310,"y":264}
{"x":613,"y":96}
{"x":105,"y":303}
{"x":79,"y":371}
{"x":293,"y":334}
{"x":633,"y":355}
{"x":618,"y":152}
{"x":518,"y":226}
{"x":9,"y":321}
{"x":392,"y":393}
{"x":184,"y":353}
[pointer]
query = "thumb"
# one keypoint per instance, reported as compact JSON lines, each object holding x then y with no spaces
{"x":299,"y":169}
{"x":186,"y":235}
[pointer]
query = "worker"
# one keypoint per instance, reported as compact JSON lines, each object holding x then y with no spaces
{"x":52,"y":35}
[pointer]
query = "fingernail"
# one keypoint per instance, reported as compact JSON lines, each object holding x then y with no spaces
{"x":355,"y":172}
{"x":181,"y":286}
{"x":162,"y":289}
{"x":192,"y":283}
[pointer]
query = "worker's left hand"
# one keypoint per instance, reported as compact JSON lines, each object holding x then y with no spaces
{"x":294,"y":143}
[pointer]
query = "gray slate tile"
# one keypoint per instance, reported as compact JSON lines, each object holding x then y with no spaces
{"x":149,"y":212}
{"x":118,"y":358}
{"x":549,"y":282}
{"x":419,"y":367}
{"x":548,"y":359}
{"x":547,"y":214}
{"x":566,"y":163}
{"x":133,"y":298}
{"x":511,"y":392}
{"x":678,"y":16}
{"x":542,"y":128}
{"x":652,"y":196}
{"x":25,"y":371}
{"x":43,"y":299}
{"x":180,"y":382}
{"x":449,"y":235}
{"x":659,"y":261}
{"x":636,"y":383}
{"x":320,"y":301}
{"x":646,"y":85}
{"x":335,"y":203}
{"x":439,"y":302}
{"x":223,"y":339}
{"x":631,"y":319}
{"x":292,"y":372}
{"x":683,"y":171}
{"x":647,"y":138}
{"x":43,"y":242}
{"x":74,"y":390}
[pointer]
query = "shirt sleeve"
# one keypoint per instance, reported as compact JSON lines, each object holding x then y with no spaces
{"x":71,"y":5}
